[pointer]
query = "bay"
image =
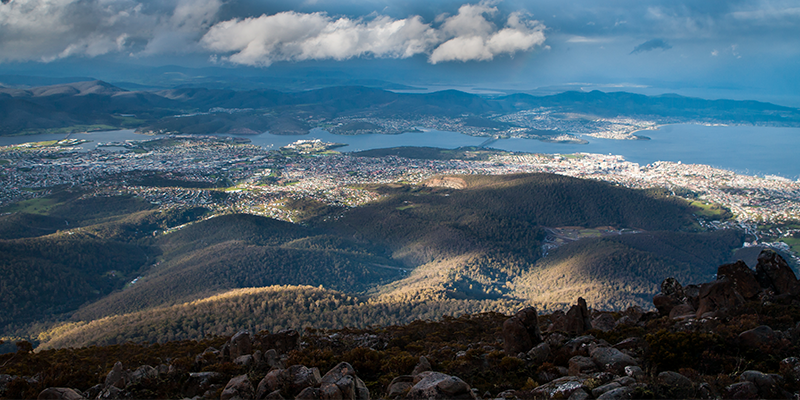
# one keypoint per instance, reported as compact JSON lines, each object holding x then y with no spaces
{"x":751,"y":150}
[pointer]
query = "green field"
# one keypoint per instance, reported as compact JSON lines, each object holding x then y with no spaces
{"x":794,"y":243}
{"x":33,"y":206}
{"x":711,"y":211}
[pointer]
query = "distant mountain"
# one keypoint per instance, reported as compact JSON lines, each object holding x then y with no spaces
{"x":79,"y":106}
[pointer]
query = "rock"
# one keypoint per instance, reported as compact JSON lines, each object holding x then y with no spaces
{"x":626,"y":380}
{"x":635,"y":344}
{"x":611,"y":359}
{"x":143,"y":373}
{"x":308,"y":393}
{"x":112,"y":393}
{"x":521,"y":332}
{"x":741,"y":390}
{"x":238,"y":388}
{"x":578,"y":318}
{"x":117,"y":377}
{"x":743,"y":278}
{"x":560,"y":388}
{"x":671,"y":287}
{"x":675,"y":385}
{"x":596,"y":392}
{"x":436,"y":385}
{"x":634,"y":372}
{"x":579,"y":394}
{"x":539,"y":353}
{"x":625,"y":392}
{"x":93,"y":392}
{"x":704,"y":391}
{"x":199,"y":382}
{"x":682,"y":311}
{"x":400,"y":385}
{"x":692,"y":293}
{"x":272,"y":360}
{"x":604,"y":322}
{"x":578,"y":346}
{"x":343,"y":376}
{"x":244,"y":361}
{"x":556,"y":340}
{"x":767,"y":386}
{"x":298,"y":377}
{"x":761,"y":337}
{"x":718,"y":297}
{"x":772,"y":271}
{"x":422,"y":366}
{"x":664,"y":304}
{"x":580,"y":365}
{"x":240,"y":344}
{"x":271,"y":382}
{"x":60,"y":393}
{"x":634,"y":314}
{"x":283,"y":341}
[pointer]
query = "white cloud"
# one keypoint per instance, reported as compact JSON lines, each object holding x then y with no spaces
{"x":293,"y":36}
{"x":50,"y":29}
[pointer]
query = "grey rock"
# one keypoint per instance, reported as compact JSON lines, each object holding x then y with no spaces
{"x":308,"y":393}
{"x":112,"y":393}
{"x":60,"y":393}
{"x":560,"y":388}
{"x":579,"y":394}
{"x":246,"y":360}
{"x":625,"y":392}
{"x":436,"y":385}
{"x":625,"y":381}
{"x":580,"y":365}
{"x":145,"y":372}
{"x":596,"y":392}
{"x":240,"y":344}
{"x":272,"y":359}
{"x":238,"y":388}
{"x":741,"y":390}
{"x":767,"y":385}
{"x":400,"y":386}
{"x":422,"y":366}
{"x":539,"y":353}
{"x":675,"y":384}
{"x":604,"y":322}
{"x":117,"y":377}
{"x":521,"y":332}
{"x":634,"y":372}
{"x":611,"y":359}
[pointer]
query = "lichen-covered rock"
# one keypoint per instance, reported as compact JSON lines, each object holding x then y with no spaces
{"x":238,"y":388}
{"x":436,"y":385}
{"x":560,"y":388}
{"x":60,"y":393}
{"x":539,"y":353}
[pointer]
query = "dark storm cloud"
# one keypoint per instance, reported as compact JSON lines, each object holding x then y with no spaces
{"x":651,"y":45}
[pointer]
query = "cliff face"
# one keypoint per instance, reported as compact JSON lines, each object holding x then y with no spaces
{"x":735,"y":337}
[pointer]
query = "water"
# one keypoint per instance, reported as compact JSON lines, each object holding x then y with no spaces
{"x":751,"y":150}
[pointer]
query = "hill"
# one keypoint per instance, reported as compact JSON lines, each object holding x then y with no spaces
{"x":94,"y":105}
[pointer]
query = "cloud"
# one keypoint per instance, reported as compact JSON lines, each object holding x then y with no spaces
{"x":294,"y":36}
{"x":47,"y":30}
{"x":651,"y":45}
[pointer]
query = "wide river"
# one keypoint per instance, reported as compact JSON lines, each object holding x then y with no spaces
{"x":751,"y":150}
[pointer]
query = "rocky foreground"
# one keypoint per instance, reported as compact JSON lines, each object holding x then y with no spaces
{"x":736,"y":337}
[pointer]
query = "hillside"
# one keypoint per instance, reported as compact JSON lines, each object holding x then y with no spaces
{"x":731,"y":337}
{"x":96,"y":105}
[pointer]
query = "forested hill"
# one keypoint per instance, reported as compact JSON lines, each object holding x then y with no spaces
{"x":94,"y":105}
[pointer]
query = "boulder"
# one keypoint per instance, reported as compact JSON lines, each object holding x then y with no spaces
{"x":760,"y":338}
{"x":240,"y":344}
{"x":271,"y":382}
{"x":743,"y":278}
{"x":790,"y":369}
{"x":766,"y":385}
{"x":143,"y":373}
{"x":436,"y":385}
{"x":561,"y":388}
{"x":298,"y":377}
{"x":664,"y":304}
{"x":575,"y":322}
{"x":634,"y":372}
{"x":521,"y":332}
{"x":400,"y":386}
{"x":199,"y":382}
{"x":772,"y":271}
{"x":308,"y":393}
{"x":671,"y":287}
{"x":60,"y":393}
{"x":580,"y":365}
{"x":272,"y":360}
{"x":117,"y":377}
{"x":604,"y":322}
{"x":246,"y":360}
{"x":422,"y":366}
{"x":539,"y":353}
{"x":112,"y":393}
{"x":611,"y":360}
{"x":682,"y":311}
{"x":625,"y":392}
{"x":675,"y":385}
{"x":238,"y":388}
{"x":741,"y":390}
{"x":718,"y":297}
{"x":596,"y":392}
{"x":342,"y":379}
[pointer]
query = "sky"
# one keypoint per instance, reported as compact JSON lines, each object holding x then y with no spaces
{"x":720,"y":48}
